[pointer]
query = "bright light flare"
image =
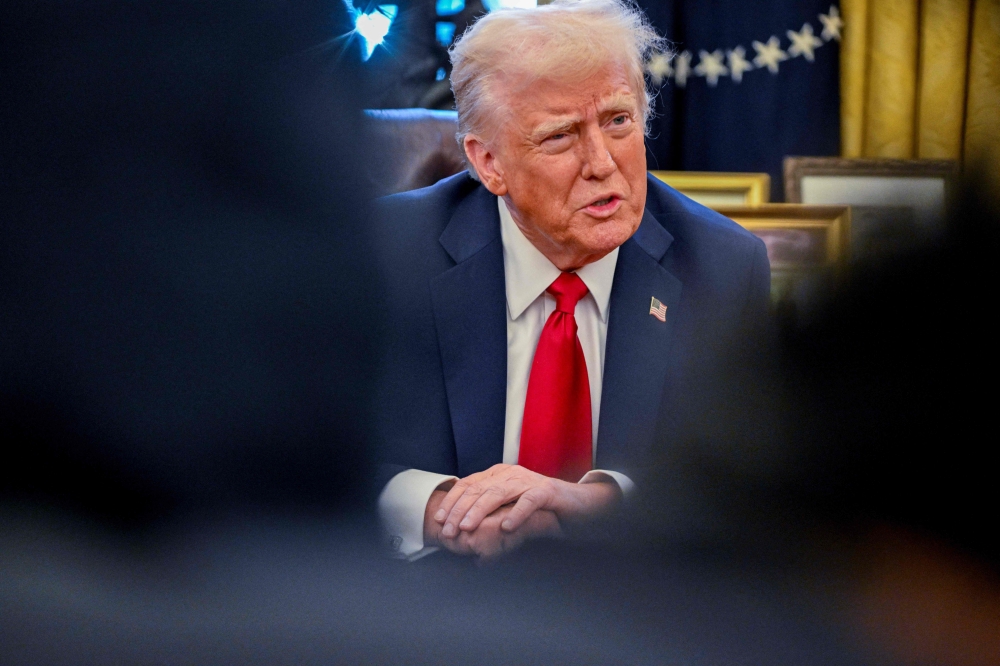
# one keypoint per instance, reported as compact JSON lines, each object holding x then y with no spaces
{"x":493,"y":5}
{"x":373,"y":27}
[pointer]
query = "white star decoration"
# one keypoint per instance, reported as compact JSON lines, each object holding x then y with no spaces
{"x":738,"y":63}
{"x":683,"y":69}
{"x":832,"y":24}
{"x":769,"y":55}
{"x":711,"y":66}
{"x":659,"y":68}
{"x":804,"y":43}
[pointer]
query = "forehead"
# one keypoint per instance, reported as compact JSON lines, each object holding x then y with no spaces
{"x":541,"y":100}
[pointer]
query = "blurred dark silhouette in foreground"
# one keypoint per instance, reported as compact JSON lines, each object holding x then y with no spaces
{"x":853,"y":451}
{"x":185,"y":299}
{"x":899,"y":410}
{"x":188,"y":323}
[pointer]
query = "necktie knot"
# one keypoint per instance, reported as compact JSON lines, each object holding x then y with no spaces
{"x":568,"y":289}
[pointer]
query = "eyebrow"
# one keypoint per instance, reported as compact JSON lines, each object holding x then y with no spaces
{"x":618,"y":101}
{"x":554,"y":127}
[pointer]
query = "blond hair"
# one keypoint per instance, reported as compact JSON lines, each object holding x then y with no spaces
{"x":567,"y":39}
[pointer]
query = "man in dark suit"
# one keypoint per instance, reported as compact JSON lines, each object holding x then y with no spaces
{"x":546,"y":305}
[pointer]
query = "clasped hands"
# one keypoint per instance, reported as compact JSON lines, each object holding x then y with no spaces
{"x":492,"y":512}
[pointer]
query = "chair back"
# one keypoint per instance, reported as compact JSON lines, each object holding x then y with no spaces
{"x":415,"y":148}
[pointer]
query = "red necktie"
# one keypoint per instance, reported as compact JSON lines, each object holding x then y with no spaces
{"x":556,"y":437}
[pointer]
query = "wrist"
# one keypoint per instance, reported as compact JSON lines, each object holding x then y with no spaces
{"x":585,"y":500}
{"x":601,"y":496}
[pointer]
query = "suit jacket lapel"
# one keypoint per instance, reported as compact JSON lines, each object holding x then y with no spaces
{"x":637,"y":348}
{"x":470,"y":314}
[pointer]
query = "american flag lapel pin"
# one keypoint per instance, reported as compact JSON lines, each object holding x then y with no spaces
{"x":658,"y":310}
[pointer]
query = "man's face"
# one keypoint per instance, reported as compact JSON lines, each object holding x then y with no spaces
{"x":571,"y":163}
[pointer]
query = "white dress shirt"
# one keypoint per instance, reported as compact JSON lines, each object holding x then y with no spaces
{"x":527,"y":274}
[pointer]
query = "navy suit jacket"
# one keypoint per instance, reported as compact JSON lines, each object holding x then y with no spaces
{"x":443,"y":385}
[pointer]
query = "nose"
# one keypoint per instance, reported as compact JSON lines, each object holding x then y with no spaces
{"x":597,"y":160}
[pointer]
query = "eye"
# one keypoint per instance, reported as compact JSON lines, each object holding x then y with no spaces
{"x":620,"y":120}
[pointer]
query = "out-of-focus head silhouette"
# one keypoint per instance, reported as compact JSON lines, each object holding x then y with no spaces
{"x":185,"y":289}
{"x":854,"y":448}
{"x":871,"y":410}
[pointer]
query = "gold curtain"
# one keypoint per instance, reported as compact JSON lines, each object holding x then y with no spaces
{"x":921,"y":79}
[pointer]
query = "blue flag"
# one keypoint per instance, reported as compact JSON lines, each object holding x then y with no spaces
{"x":750,"y":83}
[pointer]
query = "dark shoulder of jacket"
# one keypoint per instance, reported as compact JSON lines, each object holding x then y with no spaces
{"x":406,"y":227}
{"x":423,"y":209}
{"x":695,"y":226}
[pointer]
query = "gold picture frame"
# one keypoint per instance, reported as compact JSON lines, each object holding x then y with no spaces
{"x":808,"y":247}
{"x":719,"y":188}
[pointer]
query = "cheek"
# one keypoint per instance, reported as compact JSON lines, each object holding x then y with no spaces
{"x":632,"y":160}
{"x":633,"y":168}
{"x":638,"y":185}
{"x":559,"y":178}
{"x":548,"y":186}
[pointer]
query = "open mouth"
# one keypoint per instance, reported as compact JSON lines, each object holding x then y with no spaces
{"x":605,"y":206}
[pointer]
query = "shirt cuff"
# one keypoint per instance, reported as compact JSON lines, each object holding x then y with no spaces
{"x":401,"y":508}
{"x":598,"y":475}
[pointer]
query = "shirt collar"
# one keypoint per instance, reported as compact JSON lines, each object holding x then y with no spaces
{"x":528,"y":273}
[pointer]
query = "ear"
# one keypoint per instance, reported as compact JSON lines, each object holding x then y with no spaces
{"x":483,"y":160}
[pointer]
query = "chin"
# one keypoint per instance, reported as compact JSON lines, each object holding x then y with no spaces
{"x":607,"y":236}
{"x":619,"y":230}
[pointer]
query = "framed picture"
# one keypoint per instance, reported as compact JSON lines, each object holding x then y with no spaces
{"x":808,"y":246}
{"x":713,"y":189}
{"x":894,"y":202}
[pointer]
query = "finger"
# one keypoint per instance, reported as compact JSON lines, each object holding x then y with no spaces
{"x":457,"y":546}
{"x":512,"y":480}
{"x":542,"y":523}
{"x":481,"y":543}
{"x":529,"y":502}
{"x":469,"y":498}
{"x":490,"y":500}
{"x":452,"y":496}
{"x":488,"y":547}
{"x":489,"y":557}
{"x":490,"y":483}
{"x":469,"y":494}
{"x":507,"y":542}
{"x":459,"y":488}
